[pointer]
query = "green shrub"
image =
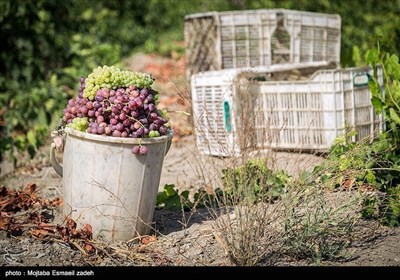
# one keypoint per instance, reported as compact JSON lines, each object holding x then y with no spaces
{"x":255,"y":180}
{"x":317,"y":224}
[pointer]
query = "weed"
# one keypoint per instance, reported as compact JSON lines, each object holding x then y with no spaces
{"x":317,"y":224}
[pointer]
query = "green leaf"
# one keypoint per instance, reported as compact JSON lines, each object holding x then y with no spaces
{"x":200,"y":194}
{"x":377,"y":103}
{"x":31,"y":137}
{"x":374,"y":87}
{"x":372,"y":56}
{"x":371,"y":179}
{"x":173,"y":203}
{"x":395,"y":90}
{"x":169,"y":189}
{"x":394,"y":116}
{"x":161,"y":198}
{"x":43,"y":15}
{"x":185,"y":194}
{"x":394,"y":60}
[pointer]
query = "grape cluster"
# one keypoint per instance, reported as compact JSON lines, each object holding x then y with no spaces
{"x":80,"y":124}
{"x":117,"y":109}
{"x":112,"y":78}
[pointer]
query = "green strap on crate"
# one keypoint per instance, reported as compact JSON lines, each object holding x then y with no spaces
{"x":227,"y":116}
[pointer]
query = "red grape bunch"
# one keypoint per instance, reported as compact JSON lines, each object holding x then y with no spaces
{"x":123,"y":105}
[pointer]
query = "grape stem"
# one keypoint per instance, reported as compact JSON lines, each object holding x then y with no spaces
{"x":136,"y":120}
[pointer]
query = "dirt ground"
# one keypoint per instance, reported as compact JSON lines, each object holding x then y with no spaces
{"x":180,"y":238}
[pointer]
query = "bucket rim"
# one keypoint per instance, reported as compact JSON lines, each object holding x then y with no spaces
{"x":120,"y":140}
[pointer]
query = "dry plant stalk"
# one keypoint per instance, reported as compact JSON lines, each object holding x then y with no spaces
{"x":248,"y":232}
{"x":318,"y":224}
{"x":247,"y":228}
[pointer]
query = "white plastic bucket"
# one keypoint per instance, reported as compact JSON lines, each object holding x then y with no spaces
{"x":108,"y":187}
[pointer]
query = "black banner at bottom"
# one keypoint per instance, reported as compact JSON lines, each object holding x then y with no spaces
{"x":170,"y":271}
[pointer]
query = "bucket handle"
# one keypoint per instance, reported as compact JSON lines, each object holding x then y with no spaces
{"x":168,"y":146}
{"x":58,"y":144}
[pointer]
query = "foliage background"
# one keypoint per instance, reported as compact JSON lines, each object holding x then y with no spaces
{"x":46,"y":45}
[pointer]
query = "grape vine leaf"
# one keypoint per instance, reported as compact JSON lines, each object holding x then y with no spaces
{"x":377,"y":103}
{"x":394,"y":116}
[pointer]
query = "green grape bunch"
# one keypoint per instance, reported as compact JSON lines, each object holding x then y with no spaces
{"x":113,"y":78}
{"x":80,"y":124}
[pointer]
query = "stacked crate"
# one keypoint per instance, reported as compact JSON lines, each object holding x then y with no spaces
{"x":224,"y":40}
{"x":236,"y":110}
{"x":238,"y":64}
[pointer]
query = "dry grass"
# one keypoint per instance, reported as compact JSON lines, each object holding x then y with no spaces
{"x":307,"y":222}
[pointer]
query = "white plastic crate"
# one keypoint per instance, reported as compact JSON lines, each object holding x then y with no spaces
{"x":234,"y":39}
{"x":211,"y":91}
{"x":234,"y":112}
